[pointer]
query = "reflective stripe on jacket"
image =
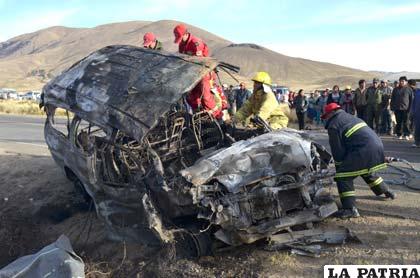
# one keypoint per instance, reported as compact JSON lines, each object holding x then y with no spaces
{"x":355,"y":147}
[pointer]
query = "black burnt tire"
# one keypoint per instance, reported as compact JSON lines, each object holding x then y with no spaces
{"x":189,"y":245}
{"x":80,"y":189}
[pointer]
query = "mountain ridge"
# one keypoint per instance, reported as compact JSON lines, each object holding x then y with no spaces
{"x":28,"y":61}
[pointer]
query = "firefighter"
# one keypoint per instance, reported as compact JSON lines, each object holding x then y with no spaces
{"x":263,"y":103}
{"x":220,"y":98}
{"x":150,"y":41}
{"x":201,"y":98}
{"x":357,"y":151}
{"x":189,"y":44}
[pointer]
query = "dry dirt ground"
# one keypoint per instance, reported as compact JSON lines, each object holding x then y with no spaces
{"x":37,"y":204}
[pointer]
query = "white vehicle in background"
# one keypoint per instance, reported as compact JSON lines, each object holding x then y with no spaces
{"x":14,"y":96}
{"x":35,"y":96}
{"x":282,"y":93}
{"x":7,"y":93}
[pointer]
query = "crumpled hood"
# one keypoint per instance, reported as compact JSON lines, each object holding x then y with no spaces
{"x":251,"y":160}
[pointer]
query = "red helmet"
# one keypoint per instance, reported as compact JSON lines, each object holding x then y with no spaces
{"x":179,"y":31}
{"x":148,"y":39}
{"x":330,"y":108}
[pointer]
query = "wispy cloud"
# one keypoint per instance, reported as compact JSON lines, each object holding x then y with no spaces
{"x":31,"y":22}
{"x":153,"y":8}
{"x":398,"y":53}
{"x":360,"y":14}
{"x":354,"y":13}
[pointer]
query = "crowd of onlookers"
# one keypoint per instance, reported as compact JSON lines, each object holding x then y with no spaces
{"x":236,"y":96}
{"x":376,"y":104}
{"x":389,"y":109}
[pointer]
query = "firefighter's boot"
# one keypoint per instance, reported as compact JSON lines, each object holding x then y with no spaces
{"x":390,"y":195}
{"x":347,"y":213}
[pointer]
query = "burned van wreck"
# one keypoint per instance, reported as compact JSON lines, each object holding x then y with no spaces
{"x":157,"y":172}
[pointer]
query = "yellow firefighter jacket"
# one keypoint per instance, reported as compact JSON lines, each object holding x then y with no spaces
{"x":265,"y":105}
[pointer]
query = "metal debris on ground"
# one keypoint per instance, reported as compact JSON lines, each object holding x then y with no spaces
{"x":300,"y":242}
{"x":305,"y":250}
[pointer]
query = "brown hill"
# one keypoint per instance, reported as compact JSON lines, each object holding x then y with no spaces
{"x":295,"y":72}
{"x":30,"y":60}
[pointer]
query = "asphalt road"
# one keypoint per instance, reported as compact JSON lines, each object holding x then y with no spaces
{"x":26,"y":133}
{"x":393,"y":147}
{"x":25,"y":130}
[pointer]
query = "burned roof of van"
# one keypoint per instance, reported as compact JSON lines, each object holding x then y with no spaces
{"x":126,"y":87}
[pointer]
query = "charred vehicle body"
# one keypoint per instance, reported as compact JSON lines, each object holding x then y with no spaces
{"x":156,"y":171}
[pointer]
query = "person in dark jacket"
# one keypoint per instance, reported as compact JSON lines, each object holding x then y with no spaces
{"x":373,"y":107}
{"x":322,"y":102}
{"x":346,"y":101}
{"x":360,"y":100}
{"x":401,"y":100}
{"x":415,"y":112}
{"x":230,"y":93}
{"x":335,"y":95}
{"x":301,"y":105}
{"x":241,"y":95}
{"x":386,"y":122}
{"x":311,"y":113}
{"x":357,"y":151}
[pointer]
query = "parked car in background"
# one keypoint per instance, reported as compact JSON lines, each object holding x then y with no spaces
{"x":6,"y":93}
{"x":35,"y":96}
{"x":14,"y":96}
{"x":282,"y":93}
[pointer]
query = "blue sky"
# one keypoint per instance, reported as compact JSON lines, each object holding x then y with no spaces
{"x":370,"y":35}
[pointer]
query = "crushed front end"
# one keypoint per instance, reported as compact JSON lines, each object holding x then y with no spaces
{"x":261,"y":186}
